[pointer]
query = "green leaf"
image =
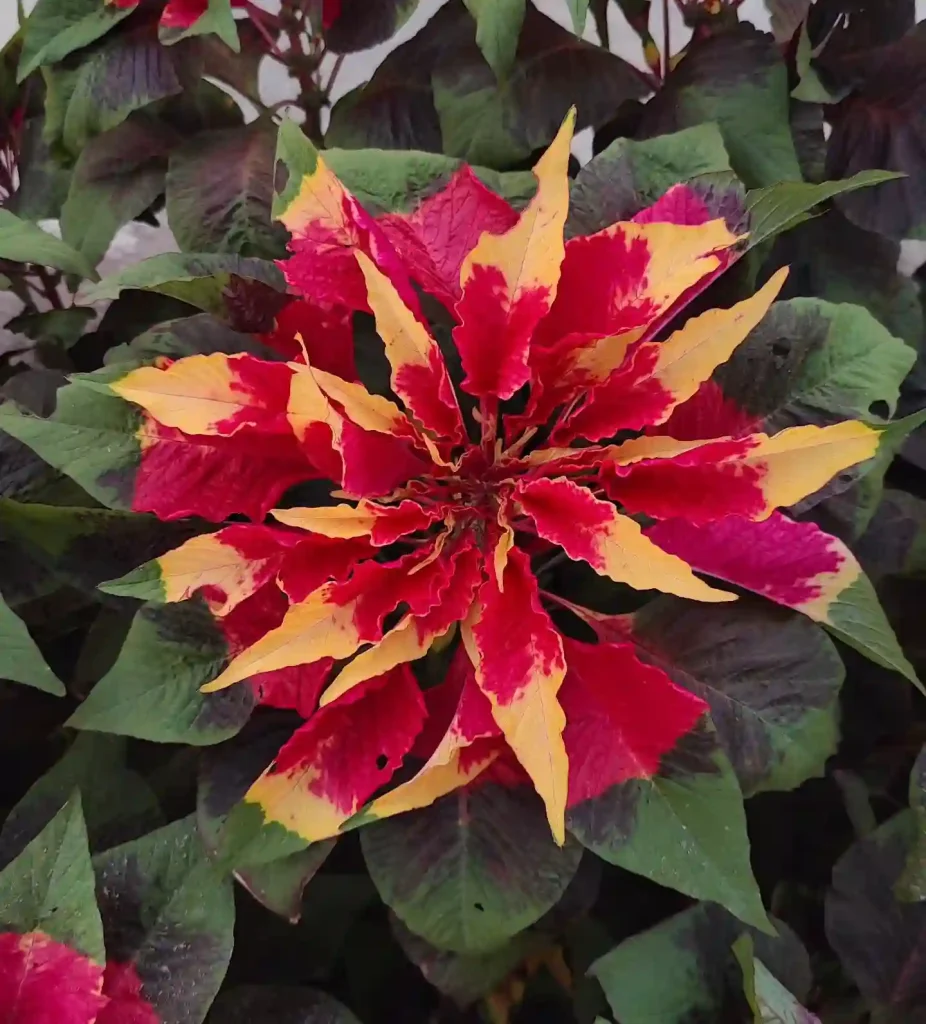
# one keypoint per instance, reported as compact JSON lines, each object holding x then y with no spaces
{"x":59,"y":328}
{"x":578,"y":11}
{"x":49,"y":887}
{"x":118,"y":176}
{"x":771,"y":677}
{"x":117,"y":802}
{"x":152,"y":692}
{"x":697,"y":971}
{"x":265,"y":1004}
{"x":738,"y":79}
{"x":811,"y":361}
{"x":56,"y":28}
{"x":83,"y":547}
{"x":463,"y":977}
{"x":20,"y":658}
{"x":782,"y":206}
{"x":24,"y":242}
{"x":858,"y":620}
{"x":630,"y":175}
{"x":911,"y":886}
{"x":199,"y":279}
{"x":218,"y":20}
{"x":438,"y":93}
{"x":166,"y":911}
{"x":91,"y":437}
{"x":128,"y":73}
{"x":684,"y":828}
{"x":880,"y":940}
{"x":484,"y":121}
{"x":386,"y":181}
{"x":769,"y":1000}
{"x":498,"y":25}
{"x":220,"y":191}
{"x":226,"y":773}
{"x":471,"y":870}
{"x":199,"y":334}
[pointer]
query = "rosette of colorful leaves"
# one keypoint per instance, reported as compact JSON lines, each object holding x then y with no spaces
{"x":443,"y":519}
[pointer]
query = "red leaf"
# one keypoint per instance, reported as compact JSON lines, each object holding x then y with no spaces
{"x":433,"y":240}
{"x":680,"y":205}
{"x":214,"y":477}
{"x":46,"y":982}
{"x":318,"y":559}
{"x":126,"y":1003}
{"x":621,"y":717}
{"x":794,"y":564}
{"x":708,"y":413}
{"x":327,"y":335}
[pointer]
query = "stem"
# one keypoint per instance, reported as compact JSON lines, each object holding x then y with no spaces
{"x":334,"y":74}
{"x":272,"y":48}
{"x":49,"y":287}
{"x":666,"y":40}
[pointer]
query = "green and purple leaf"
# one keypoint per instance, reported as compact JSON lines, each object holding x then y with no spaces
{"x":49,"y":886}
{"x":880,"y":940}
{"x":684,"y":827}
{"x":169,"y":915}
{"x":20,"y":658}
{"x":153,"y":690}
{"x":226,"y":773}
{"x":278,"y":1004}
{"x":473,"y":869}
{"x":771,"y":679}
{"x":117,"y":803}
{"x":699,"y":977}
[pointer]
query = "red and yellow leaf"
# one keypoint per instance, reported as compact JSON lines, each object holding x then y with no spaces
{"x":471,"y":742}
{"x":621,"y":717}
{"x":226,"y":567}
{"x":591,"y":530}
{"x":794,"y":564}
{"x":325,"y":335}
{"x":627,"y":277}
{"x":375,"y":455}
{"x":212,"y":394}
{"x":413,"y":636}
{"x":509,"y":281}
{"x":383,"y":524}
{"x":335,"y":762}
{"x":338,"y":618}
{"x":329,"y":227}
{"x":748,"y":476}
{"x":518,"y":657}
{"x":419,"y":374}
{"x":639,"y":386}
{"x":45,"y":982}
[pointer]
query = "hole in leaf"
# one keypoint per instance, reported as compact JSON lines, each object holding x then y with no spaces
{"x":880,"y":409}
{"x":382,"y":761}
{"x":479,"y":906}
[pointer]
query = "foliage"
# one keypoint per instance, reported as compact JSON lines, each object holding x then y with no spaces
{"x":465,"y":580}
